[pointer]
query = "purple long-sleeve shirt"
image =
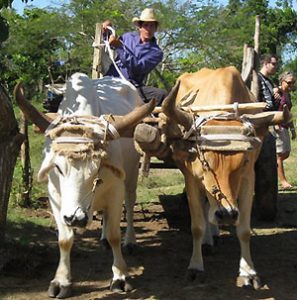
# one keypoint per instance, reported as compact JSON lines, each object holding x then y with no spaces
{"x":135,"y":59}
{"x":285,"y":100}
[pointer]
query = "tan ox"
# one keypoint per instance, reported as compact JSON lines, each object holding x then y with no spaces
{"x":216,"y":155}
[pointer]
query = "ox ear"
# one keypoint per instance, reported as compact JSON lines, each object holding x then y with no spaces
{"x":270,"y":117}
{"x":46,"y":166}
{"x":38,"y":118}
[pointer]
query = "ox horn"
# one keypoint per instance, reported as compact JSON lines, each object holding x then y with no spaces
{"x":38,"y":118}
{"x":270,"y":117}
{"x":170,"y":109}
{"x":125,"y":124}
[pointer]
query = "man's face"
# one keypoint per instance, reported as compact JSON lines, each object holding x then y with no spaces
{"x":147,"y":31}
{"x":271,"y":67}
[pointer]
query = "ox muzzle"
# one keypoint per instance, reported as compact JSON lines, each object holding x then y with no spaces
{"x":225,"y":213}
{"x":225,"y":216}
{"x":78,"y":219}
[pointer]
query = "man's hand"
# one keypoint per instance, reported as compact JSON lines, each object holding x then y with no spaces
{"x":276,"y":94}
{"x":277,"y":128}
{"x":114,"y":41}
{"x":105,"y":24}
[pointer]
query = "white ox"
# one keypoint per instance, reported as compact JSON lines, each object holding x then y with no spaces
{"x":85,"y":172}
{"x":216,"y":155}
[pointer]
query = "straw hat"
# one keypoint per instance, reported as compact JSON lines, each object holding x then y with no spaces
{"x":147,"y":15}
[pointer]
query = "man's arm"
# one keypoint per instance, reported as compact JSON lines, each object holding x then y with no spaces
{"x":142,"y":62}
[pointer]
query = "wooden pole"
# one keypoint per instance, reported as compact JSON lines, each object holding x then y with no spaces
{"x":97,"y":56}
{"x":224,"y":107}
{"x":247,"y":64}
{"x":255,"y":80}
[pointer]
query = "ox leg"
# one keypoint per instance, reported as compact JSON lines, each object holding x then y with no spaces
{"x":130,"y":199}
{"x":247,"y":274}
{"x":60,"y":286}
{"x":103,"y":239}
{"x":196,"y":267}
{"x":113,"y":234}
{"x":131,"y":165}
{"x":211,"y":233}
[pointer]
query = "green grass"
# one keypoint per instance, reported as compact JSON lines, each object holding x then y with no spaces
{"x":19,"y":215}
{"x":159,"y":182}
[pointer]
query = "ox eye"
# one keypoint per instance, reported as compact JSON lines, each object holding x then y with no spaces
{"x":59,"y":170}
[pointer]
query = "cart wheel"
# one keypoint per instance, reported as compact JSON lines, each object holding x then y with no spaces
{"x":266,"y":185}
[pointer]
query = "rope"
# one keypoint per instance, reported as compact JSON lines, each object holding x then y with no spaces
{"x":109,"y":127}
{"x":105,"y":127}
{"x":107,"y":45}
{"x":73,"y":140}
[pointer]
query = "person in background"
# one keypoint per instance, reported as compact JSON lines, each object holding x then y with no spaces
{"x":283,"y":143}
{"x":266,"y":183}
{"x":137,"y":54}
{"x":267,"y":92}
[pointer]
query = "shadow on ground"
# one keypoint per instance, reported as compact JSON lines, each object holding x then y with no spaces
{"x":159,"y":266}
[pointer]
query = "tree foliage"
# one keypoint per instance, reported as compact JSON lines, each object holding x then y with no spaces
{"x":193,"y":34}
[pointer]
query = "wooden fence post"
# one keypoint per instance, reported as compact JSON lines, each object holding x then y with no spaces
{"x":266,"y":184}
{"x":97,"y":57}
{"x":255,"y":80}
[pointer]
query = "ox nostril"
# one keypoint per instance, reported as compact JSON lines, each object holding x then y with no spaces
{"x":219,"y":214}
{"x":77,"y":221}
{"x":82,"y":222}
{"x":234,"y":214}
{"x":68,"y":220}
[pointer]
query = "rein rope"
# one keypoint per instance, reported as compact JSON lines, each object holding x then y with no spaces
{"x":109,"y":51}
{"x":96,"y":182}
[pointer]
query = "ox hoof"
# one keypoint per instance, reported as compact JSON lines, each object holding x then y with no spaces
{"x":195,"y":275}
{"x":105,"y":245}
{"x":249,"y":282}
{"x":119,"y":286}
{"x":130,"y":249}
{"x":56,"y":290}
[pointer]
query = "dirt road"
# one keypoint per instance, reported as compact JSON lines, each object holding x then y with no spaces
{"x":159,"y":266}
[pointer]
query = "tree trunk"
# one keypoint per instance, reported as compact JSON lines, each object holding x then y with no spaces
{"x":10,"y":143}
